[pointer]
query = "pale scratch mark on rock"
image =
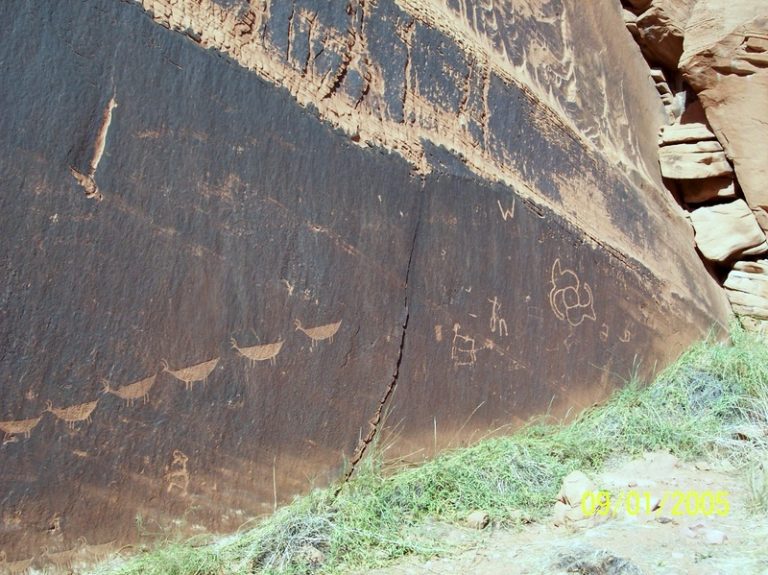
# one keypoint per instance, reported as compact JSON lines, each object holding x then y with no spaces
{"x":88,"y":181}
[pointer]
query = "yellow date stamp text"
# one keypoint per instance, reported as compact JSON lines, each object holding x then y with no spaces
{"x":674,"y":503}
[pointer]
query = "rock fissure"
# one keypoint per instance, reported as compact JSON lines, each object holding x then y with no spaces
{"x":376,"y":420}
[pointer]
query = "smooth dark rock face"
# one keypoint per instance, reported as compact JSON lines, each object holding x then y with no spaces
{"x":228,"y":213}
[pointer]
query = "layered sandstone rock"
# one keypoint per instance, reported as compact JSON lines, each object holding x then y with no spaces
{"x":724,"y":72}
{"x":661,"y":27}
{"x":726,"y":63}
{"x":711,"y":189}
{"x":685,"y":133}
{"x":747,"y":288}
{"x":694,"y":161}
{"x":727,"y":231}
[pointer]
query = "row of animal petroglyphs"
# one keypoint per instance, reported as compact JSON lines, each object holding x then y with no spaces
{"x":82,"y":553}
{"x":189,"y":376}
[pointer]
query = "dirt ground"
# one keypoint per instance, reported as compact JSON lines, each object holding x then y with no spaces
{"x":665,"y":540}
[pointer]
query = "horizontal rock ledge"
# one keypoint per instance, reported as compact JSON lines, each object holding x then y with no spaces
{"x":727,"y":231}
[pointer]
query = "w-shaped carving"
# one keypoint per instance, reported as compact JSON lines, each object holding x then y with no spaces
{"x":570,"y":299}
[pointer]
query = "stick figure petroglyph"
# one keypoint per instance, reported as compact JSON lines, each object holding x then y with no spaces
{"x":568,"y":342}
{"x":463,"y":350}
{"x":496,"y":321}
{"x":178,"y":474}
{"x":570,"y":299}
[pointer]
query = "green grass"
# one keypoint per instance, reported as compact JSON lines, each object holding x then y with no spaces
{"x":712,"y":402}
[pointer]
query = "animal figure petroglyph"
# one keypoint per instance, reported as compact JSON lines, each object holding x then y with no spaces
{"x":463,"y":350}
{"x":61,"y":559}
{"x":88,"y":552}
{"x":132,"y":391}
{"x":20,"y":427}
{"x":14,"y":567}
{"x":319,"y":333}
{"x":570,"y":299}
{"x":73,"y":414}
{"x":267,"y":351}
{"x":194,"y":373}
{"x":178,"y":475}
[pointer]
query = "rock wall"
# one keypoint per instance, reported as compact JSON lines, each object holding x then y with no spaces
{"x":242,"y":239}
{"x":710,"y":64}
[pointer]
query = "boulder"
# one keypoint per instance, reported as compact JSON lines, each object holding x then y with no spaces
{"x":749,"y":305}
{"x":700,"y":191}
{"x":661,"y":29}
{"x":684,"y":133}
{"x":751,"y":283}
{"x":693,"y":161}
{"x":738,"y":111}
{"x":726,"y":62}
{"x":726,"y":231}
{"x":477,"y":520}
{"x":574,"y":487}
{"x":747,"y":289}
{"x":639,"y":5}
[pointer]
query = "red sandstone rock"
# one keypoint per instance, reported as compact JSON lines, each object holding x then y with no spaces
{"x":726,"y":62}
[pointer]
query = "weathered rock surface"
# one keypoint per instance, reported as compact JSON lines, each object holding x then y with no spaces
{"x":232,"y":245}
{"x":684,"y":133}
{"x":661,"y":28}
{"x":726,"y":62}
{"x":700,"y":191}
{"x":694,"y":161}
{"x":727,"y":231}
{"x":747,"y":289}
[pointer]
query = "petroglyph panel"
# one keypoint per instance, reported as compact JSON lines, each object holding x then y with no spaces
{"x":284,"y":188}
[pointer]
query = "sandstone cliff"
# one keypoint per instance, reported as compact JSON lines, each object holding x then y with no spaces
{"x":237,"y":235}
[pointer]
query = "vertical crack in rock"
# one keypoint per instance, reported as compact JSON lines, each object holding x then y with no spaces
{"x":375,"y":421}
{"x":347,"y":55}
{"x":311,"y":18}
{"x":290,"y":33}
{"x":406,"y":35}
